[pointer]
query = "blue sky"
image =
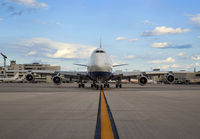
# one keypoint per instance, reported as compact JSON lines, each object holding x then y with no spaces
{"x":145,"y":34}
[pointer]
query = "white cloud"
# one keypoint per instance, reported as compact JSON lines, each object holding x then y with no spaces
{"x":175,"y":66}
{"x":129,"y":56}
{"x":1,"y":19}
{"x":149,"y":22}
{"x":167,"y":60}
{"x":198,"y":36}
{"x":195,"y":19}
{"x":30,"y":3}
{"x":196,"y":57}
{"x":58,"y":23}
{"x":165,"y":67}
{"x":180,"y":54}
{"x":161,"y":45}
{"x":189,"y":66}
{"x":162,"y":30}
{"x":31,"y":53}
{"x":133,"y":40}
{"x":120,"y":38}
{"x":55,"y":49}
{"x":197,"y":64}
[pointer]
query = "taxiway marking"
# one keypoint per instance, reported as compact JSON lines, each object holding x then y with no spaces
{"x":105,"y":128}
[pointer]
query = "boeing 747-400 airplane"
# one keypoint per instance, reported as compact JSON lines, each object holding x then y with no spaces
{"x":100,"y":71}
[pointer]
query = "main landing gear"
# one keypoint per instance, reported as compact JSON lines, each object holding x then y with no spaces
{"x":118,"y":85}
{"x":81,"y":85}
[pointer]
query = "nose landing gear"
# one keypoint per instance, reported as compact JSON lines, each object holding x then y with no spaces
{"x":100,"y":86}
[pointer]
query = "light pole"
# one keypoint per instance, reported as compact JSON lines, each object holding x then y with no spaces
{"x":4,"y":58}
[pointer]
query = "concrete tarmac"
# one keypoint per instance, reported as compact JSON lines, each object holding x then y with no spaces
{"x":47,"y":111}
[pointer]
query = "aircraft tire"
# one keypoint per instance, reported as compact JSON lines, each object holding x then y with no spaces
{"x":97,"y":87}
{"x":101,"y":87}
{"x":83,"y":85}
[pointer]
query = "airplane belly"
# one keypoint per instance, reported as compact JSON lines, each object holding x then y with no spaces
{"x":101,"y":74}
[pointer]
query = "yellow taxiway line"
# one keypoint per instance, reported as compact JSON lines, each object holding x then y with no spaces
{"x":106,"y":128}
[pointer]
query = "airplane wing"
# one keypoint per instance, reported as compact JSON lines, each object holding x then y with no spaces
{"x":143,"y":77}
{"x":57,"y":76}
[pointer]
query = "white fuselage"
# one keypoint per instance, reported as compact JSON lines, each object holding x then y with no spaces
{"x":100,"y":66}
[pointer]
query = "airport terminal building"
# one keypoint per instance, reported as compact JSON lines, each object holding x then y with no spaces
{"x":34,"y":66}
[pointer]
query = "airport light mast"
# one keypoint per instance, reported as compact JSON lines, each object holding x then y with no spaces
{"x":4,"y":58}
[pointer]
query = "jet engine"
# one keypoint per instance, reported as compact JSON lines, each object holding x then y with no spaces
{"x":30,"y":77}
{"x":142,"y":80}
{"x":57,"y":79}
{"x":170,"y":78}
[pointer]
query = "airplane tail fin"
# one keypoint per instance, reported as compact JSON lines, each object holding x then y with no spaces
{"x":100,"y":43}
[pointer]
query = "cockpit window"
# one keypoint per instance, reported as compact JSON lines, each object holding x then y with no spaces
{"x":100,"y":51}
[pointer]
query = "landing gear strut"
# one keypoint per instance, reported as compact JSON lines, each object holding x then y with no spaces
{"x":99,"y":87}
{"x":118,"y":83}
{"x":106,"y":85}
{"x":81,"y":85}
{"x":93,"y":85}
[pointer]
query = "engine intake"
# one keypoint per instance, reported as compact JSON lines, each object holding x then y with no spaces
{"x":142,"y":80}
{"x":57,"y":80}
{"x":30,"y":77}
{"x":170,"y":78}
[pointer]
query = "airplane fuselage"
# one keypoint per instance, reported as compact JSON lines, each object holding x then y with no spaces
{"x":100,"y":66}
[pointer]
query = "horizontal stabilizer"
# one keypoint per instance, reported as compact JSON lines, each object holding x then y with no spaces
{"x":119,"y":65}
{"x":81,"y":65}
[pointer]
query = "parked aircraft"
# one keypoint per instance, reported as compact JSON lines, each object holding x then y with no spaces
{"x":12,"y":79}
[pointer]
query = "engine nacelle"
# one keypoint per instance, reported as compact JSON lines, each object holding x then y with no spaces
{"x":170,"y":78}
{"x":30,"y":77}
{"x":57,"y":80}
{"x":142,"y":80}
